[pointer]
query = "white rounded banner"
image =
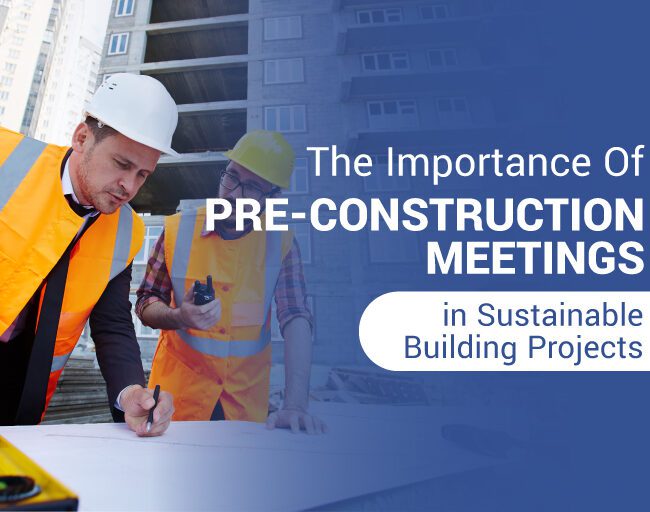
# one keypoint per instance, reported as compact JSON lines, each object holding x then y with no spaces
{"x":508,"y":331}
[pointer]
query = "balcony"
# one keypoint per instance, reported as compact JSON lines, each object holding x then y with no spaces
{"x":172,"y":10}
{"x":483,"y":79}
{"x":502,"y":29}
{"x":471,"y":137}
{"x":165,"y":188}
{"x":205,"y":84}
{"x":202,"y":41}
{"x":378,"y":37}
{"x":212,"y":131}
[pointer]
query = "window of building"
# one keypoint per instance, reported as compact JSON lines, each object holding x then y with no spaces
{"x":442,"y":58}
{"x":300,"y":177}
{"x":392,"y":113}
{"x":17,"y":41}
{"x":302,"y":233}
{"x":14,"y":54}
{"x":6,"y":80}
{"x":385,"y":61}
{"x":4,"y":95}
{"x":118,"y":44}
{"x":380,"y":181}
{"x":144,"y":331}
{"x":287,"y":119}
{"x":2,"y":110}
{"x":452,"y":105}
{"x":434,"y":12}
{"x":379,"y":16}
{"x":453,"y":110}
{"x":124,"y":8}
{"x":283,"y":71}
{"x":285,"y":27}
{"x":393,"y":247}
{"x":150,"y":238}
{"x":10,"y":67}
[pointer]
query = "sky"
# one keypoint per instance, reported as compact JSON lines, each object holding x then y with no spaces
{"x":95,"y":20}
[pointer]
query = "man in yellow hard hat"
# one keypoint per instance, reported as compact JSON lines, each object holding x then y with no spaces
{"x":216,"y":357}
{"x":67,"y":240}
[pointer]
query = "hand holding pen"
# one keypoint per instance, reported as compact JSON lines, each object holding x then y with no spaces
{"x":147,"y":412}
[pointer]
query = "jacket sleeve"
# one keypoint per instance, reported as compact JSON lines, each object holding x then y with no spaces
{"x":112,"y":330}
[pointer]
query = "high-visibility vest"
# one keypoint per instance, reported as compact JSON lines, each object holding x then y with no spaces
{"x":231,"y":361}
{"x":36,"y":227}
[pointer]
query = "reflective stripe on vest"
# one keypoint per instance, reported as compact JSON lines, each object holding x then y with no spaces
{"x":180,"y":263}
{"x":120,"y":259}
{"x":122,"y":242}
{"x":17,"y":165}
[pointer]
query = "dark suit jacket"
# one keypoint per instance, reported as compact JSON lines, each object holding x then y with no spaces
{"x":118,"y":352}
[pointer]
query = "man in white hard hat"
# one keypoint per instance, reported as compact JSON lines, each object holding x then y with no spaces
{"x":216,"y":357}
{"x":67,"y":241}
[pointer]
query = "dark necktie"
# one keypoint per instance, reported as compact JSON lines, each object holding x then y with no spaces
{"x":77,"y":208}
{"x":32,"y":400}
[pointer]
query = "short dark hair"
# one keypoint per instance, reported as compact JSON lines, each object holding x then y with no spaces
{"x":99,"y":132}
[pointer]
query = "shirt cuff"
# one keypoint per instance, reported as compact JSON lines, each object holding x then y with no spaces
{"x":142,"y":303}
{"x":288,"y":318}
{"x":118,"y":400}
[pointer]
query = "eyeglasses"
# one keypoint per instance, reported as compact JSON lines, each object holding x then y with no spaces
{"x":231,"y":182}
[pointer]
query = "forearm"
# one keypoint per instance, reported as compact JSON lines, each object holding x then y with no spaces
{"x":297,"y":363}
{"x":159,"y":315}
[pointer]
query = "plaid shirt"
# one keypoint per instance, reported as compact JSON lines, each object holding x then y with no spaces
{"x":290,"y":293}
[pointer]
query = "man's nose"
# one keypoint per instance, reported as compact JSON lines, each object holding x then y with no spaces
{"x":234,"y":194}
{"x":129,"y":185}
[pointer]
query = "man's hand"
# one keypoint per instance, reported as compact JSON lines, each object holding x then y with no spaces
{"x":201,"y":317}
{"x":296,"y":419}
{"x":136,"y":402}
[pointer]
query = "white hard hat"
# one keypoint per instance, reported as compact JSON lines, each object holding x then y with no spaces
{"x":137,"y":106}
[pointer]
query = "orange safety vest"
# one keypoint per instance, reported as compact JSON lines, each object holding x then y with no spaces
{"x":231,"y":361}
{"x":36,"y":227}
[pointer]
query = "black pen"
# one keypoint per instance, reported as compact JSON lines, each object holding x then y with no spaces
{"x":156,"y":392}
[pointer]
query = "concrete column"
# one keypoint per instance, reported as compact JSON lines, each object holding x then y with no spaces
{"x":138,"y":43}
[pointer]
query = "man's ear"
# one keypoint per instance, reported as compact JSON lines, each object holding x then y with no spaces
{"x":81,"y":138}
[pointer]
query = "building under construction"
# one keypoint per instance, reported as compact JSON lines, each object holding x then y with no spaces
{"x":358,"y":74}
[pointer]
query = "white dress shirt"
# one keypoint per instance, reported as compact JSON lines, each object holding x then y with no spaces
{"x":68,"y":189}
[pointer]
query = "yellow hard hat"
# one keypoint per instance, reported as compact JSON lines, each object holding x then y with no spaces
{"x":267,"y":154}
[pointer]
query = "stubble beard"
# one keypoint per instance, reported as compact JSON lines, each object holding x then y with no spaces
{"x":94,"y":198}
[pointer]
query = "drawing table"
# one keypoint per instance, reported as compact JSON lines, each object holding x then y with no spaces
{"x":243,"y":466}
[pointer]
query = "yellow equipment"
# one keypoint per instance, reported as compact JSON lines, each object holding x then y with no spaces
{"x":48,"y":493}
{"x":267,"y":154}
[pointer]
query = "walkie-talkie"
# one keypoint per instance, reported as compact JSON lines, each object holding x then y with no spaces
{"x":203,"y":293}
